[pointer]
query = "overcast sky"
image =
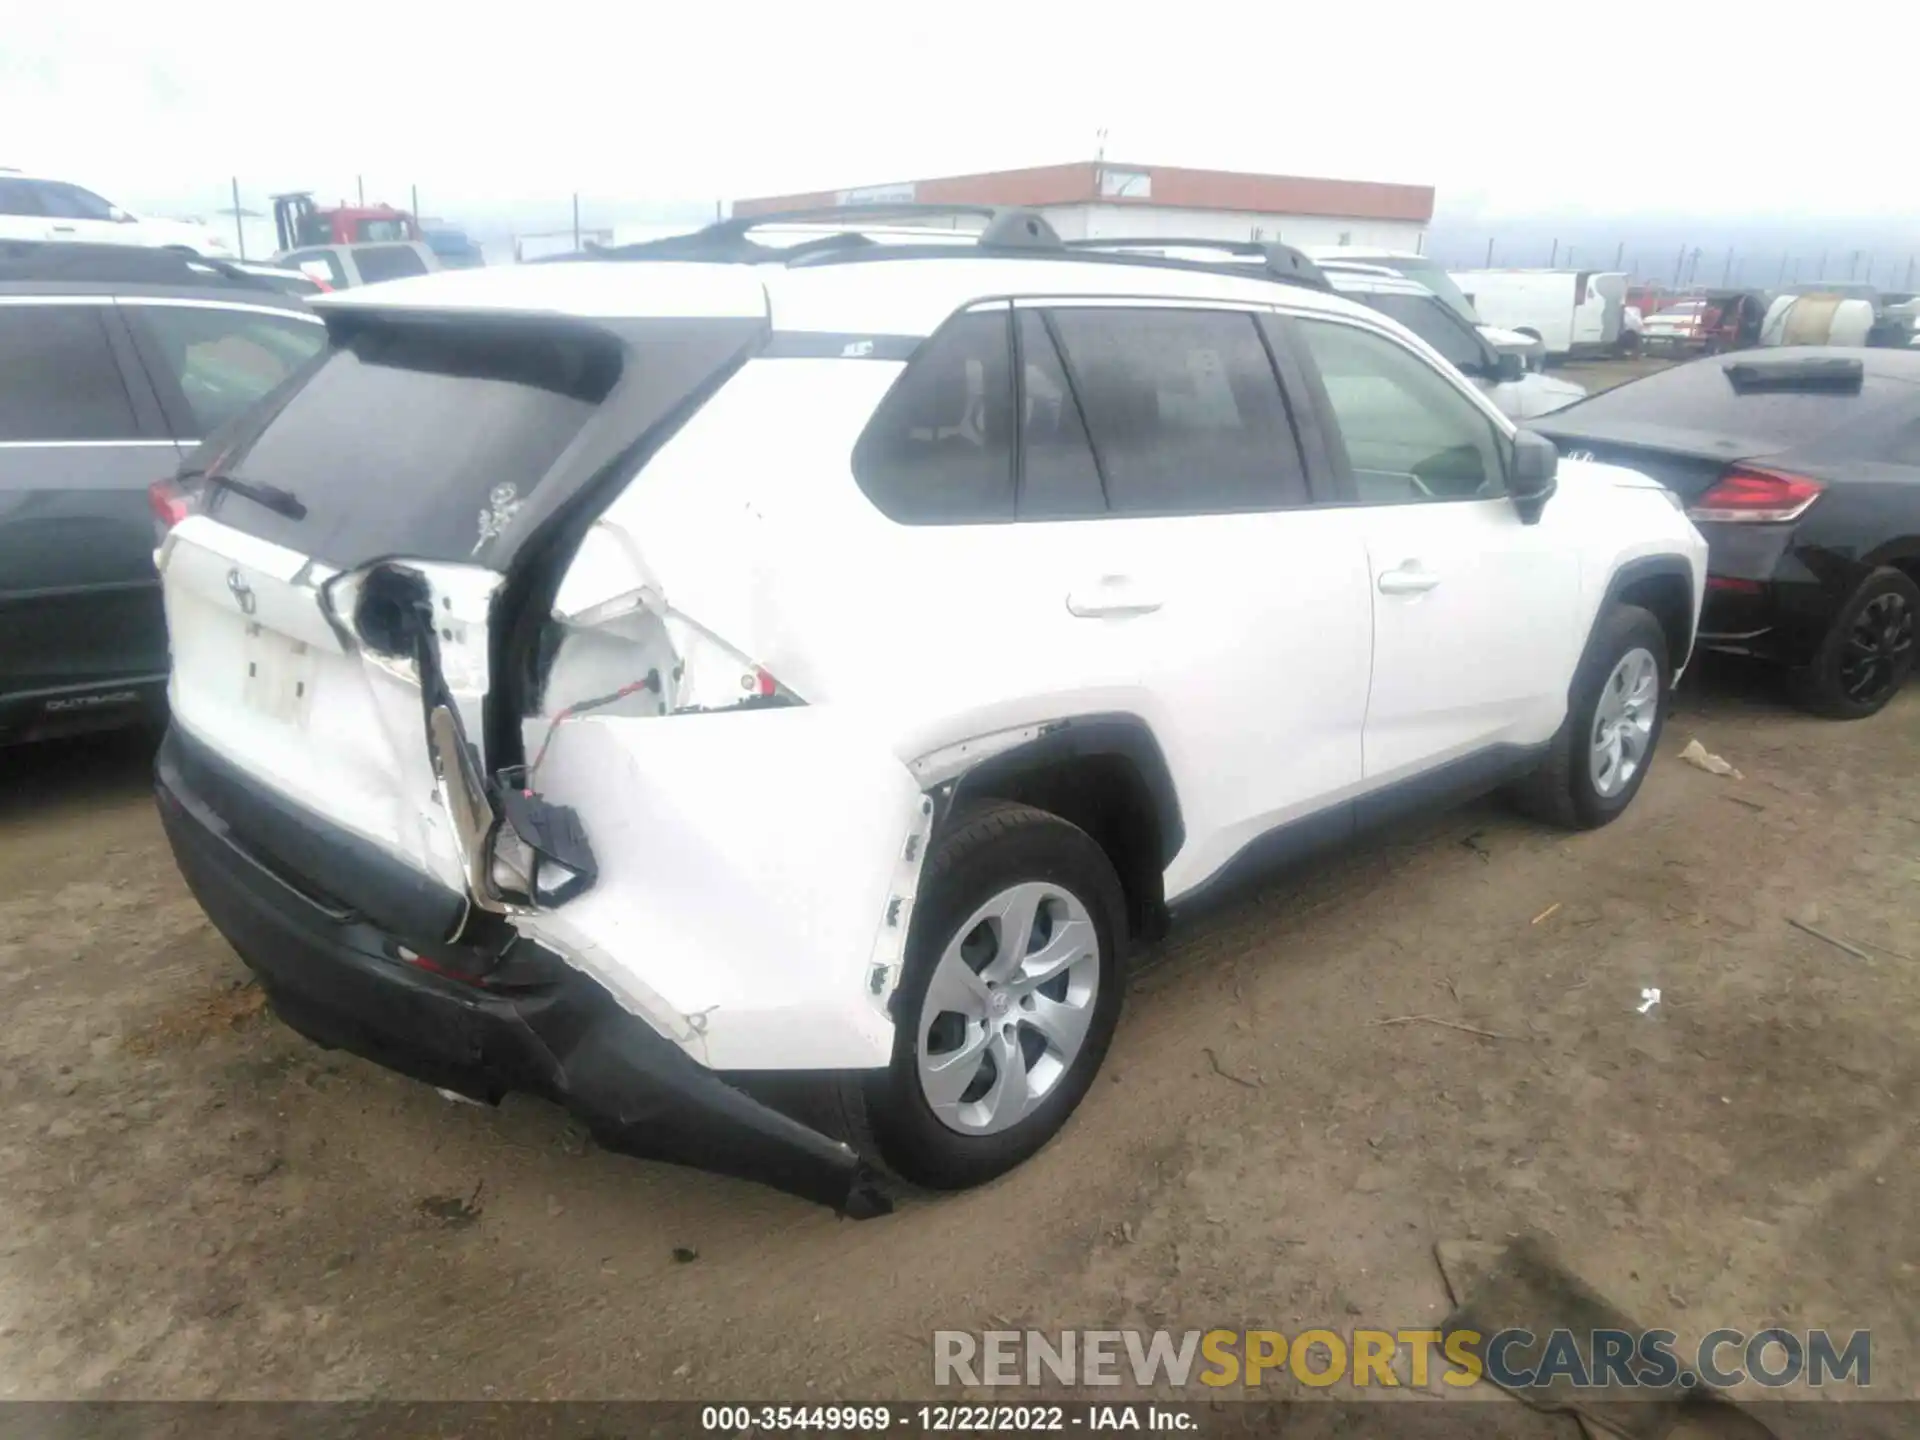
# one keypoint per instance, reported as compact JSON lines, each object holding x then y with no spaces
{"x":1613,"y":107}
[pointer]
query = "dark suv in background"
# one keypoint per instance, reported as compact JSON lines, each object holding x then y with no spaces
{"x":114,"y":362}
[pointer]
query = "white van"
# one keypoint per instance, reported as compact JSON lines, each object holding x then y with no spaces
{"x":1571,"y":311}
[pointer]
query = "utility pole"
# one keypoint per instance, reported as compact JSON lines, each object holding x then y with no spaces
{"x":576,"y":220}
{"x":1554,"y":258}
{"x":1853,"y":263}
{"x":240,"y":229}
{"x":1489,"y":252}
{"x":413,"y":194}
{"x":1726,"y":275}
{"x":1909,"y":284}
{"x":1620,"y":253}
{"x":1679,"y":263}
{"x":360,"y":186}
{"x":1823,"y":266}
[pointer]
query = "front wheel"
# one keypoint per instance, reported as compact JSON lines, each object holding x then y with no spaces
{"x":1010,"y":996}
{"x":1867,"y":654}
{"x":1617,"y":706}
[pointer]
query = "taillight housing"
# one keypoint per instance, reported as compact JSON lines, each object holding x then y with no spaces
{"x":1756,"y":495}
{"x":169,"y":505}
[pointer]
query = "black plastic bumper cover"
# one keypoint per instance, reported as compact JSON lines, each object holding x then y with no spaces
{"x":338,"y":979}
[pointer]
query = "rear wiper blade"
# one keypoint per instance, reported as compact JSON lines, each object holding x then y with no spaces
{"x":282,"y":502}
{"x":1824,"y":374}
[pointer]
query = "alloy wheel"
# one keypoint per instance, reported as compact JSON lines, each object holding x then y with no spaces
{"x":1623,"y":723}
{"x":1008,"y":1007}
{"x":1877,"y":648}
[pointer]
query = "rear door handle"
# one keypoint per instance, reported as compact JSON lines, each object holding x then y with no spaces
{"x":1409,"y":578}
{"x":1111,"y":596}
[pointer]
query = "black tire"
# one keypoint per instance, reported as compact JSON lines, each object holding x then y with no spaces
{"x":1561,"y":790}
{"x":1827,"y":686}
{"x":983,"y":852}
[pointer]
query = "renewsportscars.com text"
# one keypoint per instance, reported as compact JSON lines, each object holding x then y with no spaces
{"x":1512,"y":1359}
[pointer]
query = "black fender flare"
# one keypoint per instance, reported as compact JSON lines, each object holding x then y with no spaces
{"x":1647,"y":567}
{"x":1119,"y":734}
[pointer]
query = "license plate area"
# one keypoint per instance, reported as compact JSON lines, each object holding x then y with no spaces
{"x":279,"y":674}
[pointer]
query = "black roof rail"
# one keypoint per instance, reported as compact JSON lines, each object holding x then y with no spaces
{"x":83,"y":262}
{"x":1281,"y":262}
{"x":731,"y":240}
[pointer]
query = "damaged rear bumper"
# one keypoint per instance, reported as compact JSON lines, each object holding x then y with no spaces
{"x":342,"y":981}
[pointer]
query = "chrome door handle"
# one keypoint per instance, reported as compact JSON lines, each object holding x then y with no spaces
{"x":1111,"y":596}
{"x":1408,"y":579}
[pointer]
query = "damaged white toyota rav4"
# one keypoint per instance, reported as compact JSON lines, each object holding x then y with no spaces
{"x":755,"y":691}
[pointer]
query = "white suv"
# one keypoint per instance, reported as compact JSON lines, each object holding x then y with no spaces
{"x":758,"y":697}
{"x":33,"y":208}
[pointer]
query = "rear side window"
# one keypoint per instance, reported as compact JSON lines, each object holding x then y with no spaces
{"x":58,"y":376}
{"x":387,"y":262}
{"x":1184,"y":410}
{"x":225,"y":361}
{"x":1699,"y":397}
{"x":939,"y":449}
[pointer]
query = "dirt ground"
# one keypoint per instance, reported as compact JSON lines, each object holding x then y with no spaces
{"x":194,"y":1202}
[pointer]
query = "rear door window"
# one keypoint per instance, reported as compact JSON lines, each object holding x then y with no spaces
{"x":19,"y":197}
{"x":59,"y":379}
{"x":387,"y":262}
{"x":223,"y":361}
{"x":1059,"y":479}
{"x":1183,"y":408}
{"x":70,"y":202}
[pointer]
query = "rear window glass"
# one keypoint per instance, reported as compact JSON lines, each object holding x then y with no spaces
{"x":387,"y":262}
{"x":1700,"y":398}
{"x":420,"y":440}
{"x":436,"y":439}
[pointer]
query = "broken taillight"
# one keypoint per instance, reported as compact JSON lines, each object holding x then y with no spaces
{"x":1756,"y":496}
{"x":169,"y":505}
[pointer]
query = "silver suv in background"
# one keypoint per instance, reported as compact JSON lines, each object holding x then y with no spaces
{"x":1520,"y":392}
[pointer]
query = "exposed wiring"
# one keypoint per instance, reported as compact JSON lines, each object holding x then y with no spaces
{"x":579,"y":707}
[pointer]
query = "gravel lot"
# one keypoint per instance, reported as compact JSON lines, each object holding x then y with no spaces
{"x":194,"y":1202}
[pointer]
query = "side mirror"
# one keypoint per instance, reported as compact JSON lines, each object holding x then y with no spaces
{"x":1508,"y":366}
{"x":1531,"y":478}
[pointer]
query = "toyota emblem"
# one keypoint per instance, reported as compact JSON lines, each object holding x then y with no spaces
{"x":241,"y":591}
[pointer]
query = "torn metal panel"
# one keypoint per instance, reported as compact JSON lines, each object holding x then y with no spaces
{"x":949,"y":762}
{"x":749,"y":864}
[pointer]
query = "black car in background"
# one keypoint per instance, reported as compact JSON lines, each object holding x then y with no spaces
{"x":114,"y":362}
{"x":1801,"y":467}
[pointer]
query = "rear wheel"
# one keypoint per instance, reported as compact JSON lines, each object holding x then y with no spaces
{"x":1009,"y":1000}
{"x":1616,"y":709}
{"x":1868,"y":652}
